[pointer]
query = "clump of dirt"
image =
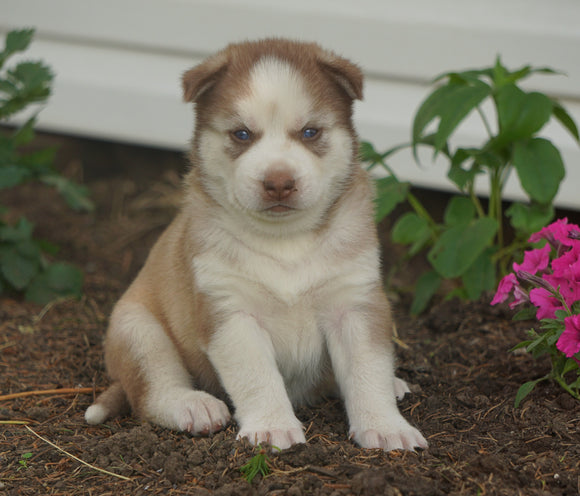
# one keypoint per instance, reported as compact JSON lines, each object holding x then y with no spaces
{"x":456,"y":357}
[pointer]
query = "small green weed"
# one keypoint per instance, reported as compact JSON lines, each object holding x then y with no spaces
{"x":23,"y":462}
{"x":258,"y":464}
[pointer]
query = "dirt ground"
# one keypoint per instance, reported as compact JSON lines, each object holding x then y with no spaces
{"x":456,"y":357}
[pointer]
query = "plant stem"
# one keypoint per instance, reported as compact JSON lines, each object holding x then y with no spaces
{"x":476,"y":202}
{"x":388,"y":169}
{"x":414,"y":201}
{"x":485,"y":121}
{"x":495,"y":207}
{"x":420,"y":210}
{"x":565,"y":386}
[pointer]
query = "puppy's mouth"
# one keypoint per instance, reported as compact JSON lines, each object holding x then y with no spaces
{"x":279,"y":208}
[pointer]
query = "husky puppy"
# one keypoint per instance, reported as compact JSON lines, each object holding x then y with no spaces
{"x":265,"y":291}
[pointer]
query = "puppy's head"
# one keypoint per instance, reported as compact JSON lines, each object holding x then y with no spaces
{"x":274,"y":139}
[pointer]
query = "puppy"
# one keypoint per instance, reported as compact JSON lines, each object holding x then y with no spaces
{"x":265,"y":291}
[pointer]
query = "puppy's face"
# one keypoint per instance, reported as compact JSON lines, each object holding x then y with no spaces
{"x":274,"y":137}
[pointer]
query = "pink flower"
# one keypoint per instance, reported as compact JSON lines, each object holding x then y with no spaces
{"x":556,"y":233}
{"x":505,"y":287}
{"x":569,"y":342}
{"x":568,"y":264}
{"x":568,"y":288}
{"x":535,"y":260}
{"x":520,"y":296}
{"x":546,"y":303}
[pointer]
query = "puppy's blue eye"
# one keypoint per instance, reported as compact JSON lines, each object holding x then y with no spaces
{"x":242,"y":134}
{"x":309,"y":132}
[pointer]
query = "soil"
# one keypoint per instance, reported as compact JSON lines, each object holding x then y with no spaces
{"x":456,"y":357}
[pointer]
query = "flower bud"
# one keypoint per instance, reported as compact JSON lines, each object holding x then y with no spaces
{"x":524,"y":276}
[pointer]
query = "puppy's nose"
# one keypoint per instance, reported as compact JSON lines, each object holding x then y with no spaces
{"x":279,"y":185}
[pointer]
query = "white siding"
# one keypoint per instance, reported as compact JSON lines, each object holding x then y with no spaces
{"x":118,"y":62}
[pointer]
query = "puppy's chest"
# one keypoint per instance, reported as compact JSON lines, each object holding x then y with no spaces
{"x":283,"y":277}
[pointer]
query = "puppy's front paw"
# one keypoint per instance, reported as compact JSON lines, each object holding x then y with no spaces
{"x":280,"y":436}
{"x":406,"y":438}
{"x":200,"y":413}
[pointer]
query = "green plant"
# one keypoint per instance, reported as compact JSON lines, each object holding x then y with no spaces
{"x":468,"y":246}
{"x":24,"y":267}
{"x":258,"y":464}
{"x":23,"y":462}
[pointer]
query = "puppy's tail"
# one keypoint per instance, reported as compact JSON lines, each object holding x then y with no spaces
{"x":112,"y":403}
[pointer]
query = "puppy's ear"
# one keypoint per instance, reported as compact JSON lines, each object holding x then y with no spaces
{"x":345,"y":73}
{"x":203,"y":76}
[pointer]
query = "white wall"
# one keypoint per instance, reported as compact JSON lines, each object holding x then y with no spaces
{"x":118,"y":62}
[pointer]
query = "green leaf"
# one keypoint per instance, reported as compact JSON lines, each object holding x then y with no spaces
{"x":408,"y":228}
{"x":16,"y":41}
{"x":411,"y":229}
{"x":465,"y":77}
{"x":460,"y":210}
{"x":8,"y":87}
{"x":367,"y":153}
{"x":540,"y":168}
{"x":30,"y":83}
{"x":538,"y":346}
{"x":19,"y":263}
{"x":12,"y":175}
{"x":530,"y":218}
{"x":427,"y":285}
{"x":390,"y":192}
{"x":56,"y":281}
{"x":47,"y":246}
{"x":480,"y":276}
{"x":25,"y":134}
{"x":524,"y":390}
{"x":565,"y":119}
{"x":458,"y":174}
{"x":520,"y":114}
{"x":499,"y":73}
{"x":502,"y":76}
{"x":560,"y":316}
{"x":520,"y":345}
{"x":575,"y":384}
{"x":527,"y":313}
{"x":34,"y":77}
{"x":450,"y":103}
{"x":458,"y":247}
{"x":76,"y":195}
{"x":22,"y":231}
{"x":39,"y":162}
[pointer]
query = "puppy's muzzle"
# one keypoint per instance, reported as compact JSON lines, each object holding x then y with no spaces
{"x":278,"y":185}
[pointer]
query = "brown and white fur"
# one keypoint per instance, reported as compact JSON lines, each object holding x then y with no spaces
{"x":266,"y":289}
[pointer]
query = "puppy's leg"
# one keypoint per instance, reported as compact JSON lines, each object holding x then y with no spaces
{"x":243,"y":355}
{"x":164,"y":394}
{"x":362,"y":360}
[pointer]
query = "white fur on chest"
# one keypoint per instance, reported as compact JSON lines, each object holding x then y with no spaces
{"x":290,"y":286}
{"x":302,"y":272}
